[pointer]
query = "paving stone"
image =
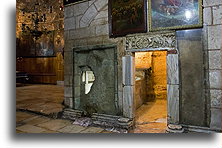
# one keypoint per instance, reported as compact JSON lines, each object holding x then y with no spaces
{"x":72,"y":129}
{"x":20,"y":116}
{"x":30,"y":129}
{"x":54,"y":124}
{"x":49,"y":132}
{"x":44,"y":98}
{"x":106,"y":132}
{"x":18,"y":131}
{"x":37,"y":120}
{"x":92,"y":130}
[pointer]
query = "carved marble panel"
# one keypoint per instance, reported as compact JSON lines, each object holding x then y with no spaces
{"x":163,"y":41}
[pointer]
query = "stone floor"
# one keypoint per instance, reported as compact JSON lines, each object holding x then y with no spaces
{"x":35,"y":104}
{"x":32,"y":123}
{"x":44,"y":99}
{"x":151,"y":117}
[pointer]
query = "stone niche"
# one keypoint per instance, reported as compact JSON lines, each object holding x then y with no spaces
{"x":100,"y":62}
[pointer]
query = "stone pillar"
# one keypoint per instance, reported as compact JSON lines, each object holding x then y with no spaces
{"x":173,"y":88}
{"x":173,"y":93}
{"x":128,"y":86}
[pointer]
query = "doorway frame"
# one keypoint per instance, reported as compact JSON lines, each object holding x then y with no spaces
{"x":160,"y":41}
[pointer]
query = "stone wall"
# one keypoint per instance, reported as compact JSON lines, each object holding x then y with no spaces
{"x":159,"y":72}
{"x":86,"y":24}
{"x":213,"y":24}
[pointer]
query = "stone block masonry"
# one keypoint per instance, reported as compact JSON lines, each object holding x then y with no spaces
{"x":213,"y":23}
{"x":86,"y":24}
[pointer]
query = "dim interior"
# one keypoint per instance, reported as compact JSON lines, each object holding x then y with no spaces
{"x":150,"y":92}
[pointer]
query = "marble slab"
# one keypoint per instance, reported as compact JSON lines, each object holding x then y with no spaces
{"x":128,"y":70}
{"x":172,"y":69}
{"x":173,"y":104}
{"x":128,"y":102}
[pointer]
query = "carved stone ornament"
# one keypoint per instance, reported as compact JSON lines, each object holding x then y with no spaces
{"x":159,"y":41}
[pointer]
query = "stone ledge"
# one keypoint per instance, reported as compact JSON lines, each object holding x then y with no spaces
{"x":71,"y":114}
{"x":112,"y":121}
{"x":199,"y":129}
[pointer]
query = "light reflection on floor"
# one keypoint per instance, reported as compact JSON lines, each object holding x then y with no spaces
{"x":151,"y":117}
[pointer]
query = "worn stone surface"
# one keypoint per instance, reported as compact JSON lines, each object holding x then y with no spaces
{"x":100,"y":4}
{"x":72,"y":129}
{"x":37,"y":120}
{"x":215,"y":119}
{"x":215,"y":59}
{"x":211,"y":2}
{"x":45,"y":99}
{"x":92,"y":130}
{"x":54,"y":124}
{"x":68,"y":102}
{"x":192,"y":107}
{"x":151,"y":117}
{"x":33,"y":124}
{"x":83,"y":33}
{"x":128,"y":70}
{"x":69,"y":23}
{"x":30,"y":129}
{"x":214,"y":37}
{"x":216,"y":96}
{"x":207,"y":16}
{"x":68,"y":92}
{"x":173,"y":104}
{"x":79,"y":8}
{"x":217,"y":13}
{"x":128,"y":101}
{"x":68,"y":12}
{"x":215,"y":79}
{"x":102,"y":63}
{"x":102,"y":14}
{"x":172,"y":69}
{"x":102,"y":29}
{"x":88,"y":16}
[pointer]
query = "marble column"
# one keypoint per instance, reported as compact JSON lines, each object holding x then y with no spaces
{"x":128,"y":86}
{"x":173,"y":88}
